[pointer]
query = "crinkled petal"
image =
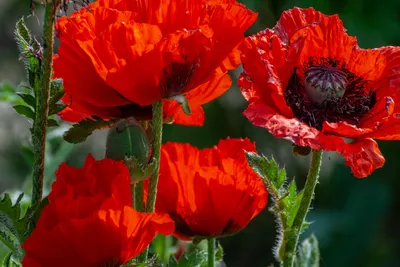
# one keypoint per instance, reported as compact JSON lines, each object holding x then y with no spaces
{"x":281,"y":127}
{"x":327,"y":38}
{"x":295,"y":19}
{"x":363,"y":157}
{"x":197,"y":187}
{"x":261,"y":78}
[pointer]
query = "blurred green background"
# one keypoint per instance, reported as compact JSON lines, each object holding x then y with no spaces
{"x":357,"y":221}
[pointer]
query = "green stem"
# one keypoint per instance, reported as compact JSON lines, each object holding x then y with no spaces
{"x":157,"y":124}
{"x":42,"y":105}
{"x":293,"y":234}
{"x":211,"y":252}
{"x":139,"y":196}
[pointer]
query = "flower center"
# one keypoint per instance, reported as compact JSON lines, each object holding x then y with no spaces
{"x":324,"y":83}
{"x":176,"y":79}
{"x":325,"y":90}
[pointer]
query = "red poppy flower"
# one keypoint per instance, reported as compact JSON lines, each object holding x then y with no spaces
{"x":209,"y":192}
{"x":307,"y":81}
{"x":118,"y":57}
{"x":88,"y":221}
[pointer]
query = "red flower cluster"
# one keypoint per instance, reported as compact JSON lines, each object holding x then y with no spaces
{"x":116,"y":58}
{"x":209,"y":192}
{"x":89,"y":221}
{"x":307,"y":81}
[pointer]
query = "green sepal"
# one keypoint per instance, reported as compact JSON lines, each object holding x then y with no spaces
{"x":184,"y":103}
{"x":82,"y":130}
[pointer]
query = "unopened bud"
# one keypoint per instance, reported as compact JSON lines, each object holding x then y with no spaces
{"x":127,"y":140}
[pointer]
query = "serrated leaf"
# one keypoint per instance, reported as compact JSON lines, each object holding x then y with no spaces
{"x":12,"y":226}
{"x":30,"y":51}
{"x":25,"y":111}
{"x":291,"y":201}
{"x":268,"y":170}
{"x":52,"y":123}
{"x":219,"y":255}
{"x":308,"y":253}
{"x":22,"y":30}
{"x":28,"y":99}
{"x":10,"y":262}
{"x":81,"y":131}
{"x":194,"y":258}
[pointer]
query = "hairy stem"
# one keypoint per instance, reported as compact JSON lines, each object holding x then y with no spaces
{"x":291,"y":236}
{"x":157,"y":124}
{"x":42,"y":104}
{"x":211,"y":252}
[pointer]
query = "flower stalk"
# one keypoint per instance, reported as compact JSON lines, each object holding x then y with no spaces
{"x":211,"y":252}
{"x":157,"y":124}
{"x":291,"y":237}
{"x":42,"y":94}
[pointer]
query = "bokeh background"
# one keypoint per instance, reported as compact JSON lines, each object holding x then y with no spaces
{"x":357,"y":221}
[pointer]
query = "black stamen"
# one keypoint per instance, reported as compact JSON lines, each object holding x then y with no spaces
{"x":356,"y":102}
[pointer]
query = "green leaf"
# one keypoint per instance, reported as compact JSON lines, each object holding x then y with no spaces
{"x":28,"y":99}
{"x":81,"y":131}
{"x":56,"y":108}
{"x":56,"y":93}
{"x":219,"y":255}
{"x":308,"y":254}
{"x":30,"y":51}
{"x":291,"y":202}
{"x":9,"y":261}
{"x":269,"y":171}
{"x":56,"y":87}
{"x":52,"y":123}
{"x":12,"y":226}
{"x":22,"y":34}
{"x":25,"y":111}
{"x":194,"y":258}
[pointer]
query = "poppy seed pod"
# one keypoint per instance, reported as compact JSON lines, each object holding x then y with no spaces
{"x":127,"y":140}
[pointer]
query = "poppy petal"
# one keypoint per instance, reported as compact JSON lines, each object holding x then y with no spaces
{"x":363,"y":157}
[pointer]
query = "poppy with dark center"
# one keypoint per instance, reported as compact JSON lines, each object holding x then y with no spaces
{"x":209,"y":192}
{"x":307,"y":81}
{"x":89,"y":221}
{"x":118,"y":57}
